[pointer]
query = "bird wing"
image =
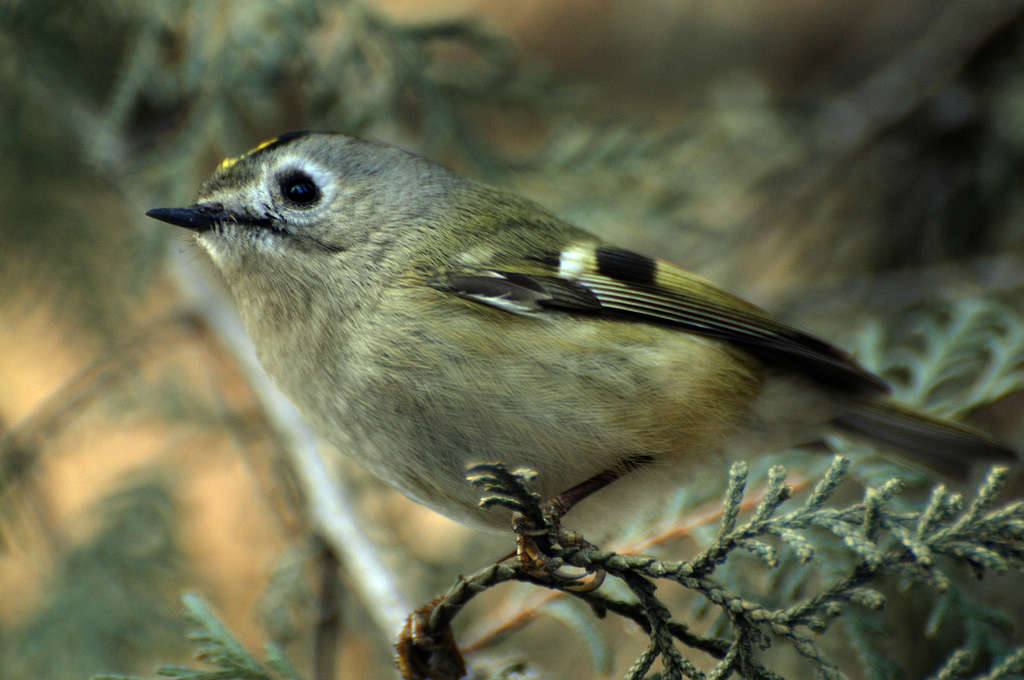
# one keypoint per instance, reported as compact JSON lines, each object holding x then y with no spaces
{"x":591,"y":279}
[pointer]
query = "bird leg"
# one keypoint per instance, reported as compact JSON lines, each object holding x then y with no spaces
{"x":555,"y":509}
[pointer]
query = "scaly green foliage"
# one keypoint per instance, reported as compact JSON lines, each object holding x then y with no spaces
{"x":949,"y":359}
{"x":880,"y":540}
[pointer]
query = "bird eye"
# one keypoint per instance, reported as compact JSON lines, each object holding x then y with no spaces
{"x":299,"y":189}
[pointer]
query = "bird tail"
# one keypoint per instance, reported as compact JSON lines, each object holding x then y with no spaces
{"x":947,"y":447}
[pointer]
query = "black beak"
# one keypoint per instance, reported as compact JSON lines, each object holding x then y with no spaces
{"x":197,"y":217}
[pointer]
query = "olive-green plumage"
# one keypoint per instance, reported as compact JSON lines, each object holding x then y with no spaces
{"x":423,"y":322}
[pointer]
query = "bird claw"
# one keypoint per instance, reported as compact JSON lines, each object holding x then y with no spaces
{"x":537,"y":525}
{"x":535,"y":561}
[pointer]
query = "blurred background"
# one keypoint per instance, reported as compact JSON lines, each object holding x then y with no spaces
{"x":837,"y":163}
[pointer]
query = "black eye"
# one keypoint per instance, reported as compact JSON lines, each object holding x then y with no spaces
{"x":299,"y":188}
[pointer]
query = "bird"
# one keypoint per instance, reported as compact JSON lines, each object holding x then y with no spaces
{"x":423,"y":322}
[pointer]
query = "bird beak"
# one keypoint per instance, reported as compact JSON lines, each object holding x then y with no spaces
{"x":198,"y":217}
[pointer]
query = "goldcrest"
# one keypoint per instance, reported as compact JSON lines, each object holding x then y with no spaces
{"x":422,"y":322}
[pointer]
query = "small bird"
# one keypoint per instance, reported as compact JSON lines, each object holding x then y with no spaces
{"x":423,"y":322}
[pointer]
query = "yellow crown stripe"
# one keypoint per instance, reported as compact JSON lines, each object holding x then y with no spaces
{"x":228,"y":162}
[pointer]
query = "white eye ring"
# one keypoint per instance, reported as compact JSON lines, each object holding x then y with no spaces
{"x":301,"y":184}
